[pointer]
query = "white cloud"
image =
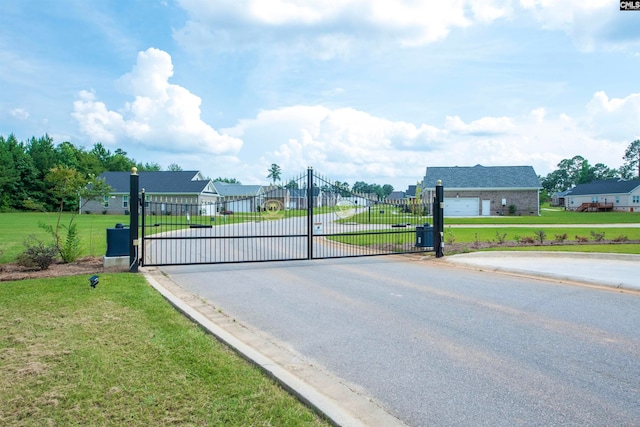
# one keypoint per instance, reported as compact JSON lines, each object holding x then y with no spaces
{"x":328,"y":28}
{"x":351,"y":145}
{"x":483,"y":126}
{"x":590,"y":24}
{"x":615,"y":117}
{"x":19,"y":113}
{"x":162,"y":116}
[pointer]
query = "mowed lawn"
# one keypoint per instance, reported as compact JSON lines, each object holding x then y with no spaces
{"x":119,"y":354}
{"x":16,"y":227}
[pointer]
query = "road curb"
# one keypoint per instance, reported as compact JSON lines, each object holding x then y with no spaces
{"x":341,"y":404}
{"x":474,"y":260}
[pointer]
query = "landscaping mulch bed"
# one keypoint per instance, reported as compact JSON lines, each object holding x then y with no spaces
{"x":86,"y":265}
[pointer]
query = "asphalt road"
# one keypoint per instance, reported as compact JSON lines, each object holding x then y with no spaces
{"x":444,"y":345}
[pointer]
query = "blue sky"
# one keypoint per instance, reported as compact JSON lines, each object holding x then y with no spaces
{"x":361,"y":90}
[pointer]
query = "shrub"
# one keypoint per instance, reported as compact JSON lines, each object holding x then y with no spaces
{"x":37,"y":255}
{"x":512,"y":209}
{"x":449,"y":236}
{"x":582,"y":239}
{"x":70,"y":251}
{"x":517,"y":239}
{"x":561,"y":237}
{"x":527,"y":239}
{"x":621,"y":238}
{"x":500,"y":237}
{"x":540,"y":235}
{"x":597,"y":236}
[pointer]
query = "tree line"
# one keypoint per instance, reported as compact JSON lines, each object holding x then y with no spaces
{"x":359,"y":187}
{"x":578,"y":170}
{"x":28,"y":170}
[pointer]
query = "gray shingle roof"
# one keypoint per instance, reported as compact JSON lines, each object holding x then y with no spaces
{"x":488,"y":177}
{"x":302,"y":192}
{"x":170,"y":182}
{"x":226,"y":190}
{"x":605,"y":186}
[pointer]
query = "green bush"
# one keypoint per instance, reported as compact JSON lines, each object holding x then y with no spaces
{"x":71,"y":249}
{"x":37,"y":255}
{"x":540,"y":235}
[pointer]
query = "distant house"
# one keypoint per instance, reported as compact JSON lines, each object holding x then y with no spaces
{"x":605,"y":194}
{"x":397,"y":195}
{"x":485,"y":190}
{"x":240,"y":198}
{"x":180,"y":187}
{"x":299,"y":200}
{"x":411,"y":192}
{"x":558,"y":198}
{"x":282,"y":195}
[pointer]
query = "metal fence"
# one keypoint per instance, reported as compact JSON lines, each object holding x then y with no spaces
{"x":309,"y":218}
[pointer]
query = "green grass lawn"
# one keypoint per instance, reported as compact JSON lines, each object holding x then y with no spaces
{"x":119,"y":354}
{"x":16,"y":227}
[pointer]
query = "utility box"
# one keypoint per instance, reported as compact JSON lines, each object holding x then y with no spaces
{"x":117,"y":241}
{"x":424,"y":236}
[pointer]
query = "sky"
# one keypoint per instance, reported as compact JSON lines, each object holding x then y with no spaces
{"x":360,"y":90}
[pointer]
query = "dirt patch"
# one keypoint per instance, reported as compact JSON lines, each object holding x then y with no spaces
{"x":86,"y":265}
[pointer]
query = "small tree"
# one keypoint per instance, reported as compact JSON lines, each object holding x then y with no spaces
{"x":66,"y":183}
{"x":632,"y":157}
{"x":540,"y":235}
{"x":274,"y":172}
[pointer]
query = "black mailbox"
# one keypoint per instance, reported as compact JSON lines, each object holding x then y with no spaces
{"x":117,"y":241}
{"x":424,"y":236}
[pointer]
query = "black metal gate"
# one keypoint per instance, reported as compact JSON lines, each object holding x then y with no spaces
{"x":309,"y":218}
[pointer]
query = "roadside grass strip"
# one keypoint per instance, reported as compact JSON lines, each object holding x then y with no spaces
{"x":119,"y":354}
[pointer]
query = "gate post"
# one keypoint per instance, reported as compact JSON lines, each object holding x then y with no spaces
{"x":142,"y":225}
{"x":309,"y":212}
{"x":134,"y":182}
{"x":438,"y":220}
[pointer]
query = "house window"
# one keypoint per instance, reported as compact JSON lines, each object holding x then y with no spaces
{"x":125,"y":201}
{"x":636,"y":199}
{"x":618,"y":200}
{"x":594,"y":199}
{"x":105,"y":202}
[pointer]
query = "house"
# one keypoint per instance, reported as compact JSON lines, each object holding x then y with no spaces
{"x":558,"y":199}
{"x":298,"y":198}
{"x":240,"y":198}
{"x":179,"y":188}
{"x":605,"y":194}
{"x":411,"y":192}
{"x":282,"y":195}
{"x":485,"y":190}
{"x":397,"y":196}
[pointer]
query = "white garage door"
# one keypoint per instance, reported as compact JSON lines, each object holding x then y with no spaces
{"x":461,"y":207}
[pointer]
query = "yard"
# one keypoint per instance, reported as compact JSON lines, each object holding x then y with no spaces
{"x":508,"y":232}
{"x":119,"y":354}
